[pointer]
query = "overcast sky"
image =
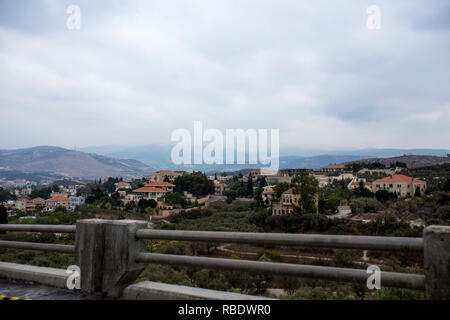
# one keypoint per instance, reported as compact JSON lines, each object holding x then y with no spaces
{"x":137,"y":70}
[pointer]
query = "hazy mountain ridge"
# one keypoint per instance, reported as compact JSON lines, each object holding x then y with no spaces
{"x":70,"y":163}
{"x":158,"y":156}
{"x":411,"y":161}
{"x":56,"y":162}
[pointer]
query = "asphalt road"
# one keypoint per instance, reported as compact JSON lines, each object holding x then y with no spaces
{"x":40,"y":292}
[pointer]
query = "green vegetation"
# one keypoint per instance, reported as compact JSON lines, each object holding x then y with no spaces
{"x":308,"y":188}
{"x":389,"y":216}
{"x":5,"y":195}
{"x":176,"y":199}
{"x":196,"y":183}
{"x":437,"y":177}
{"x":356,"y":166}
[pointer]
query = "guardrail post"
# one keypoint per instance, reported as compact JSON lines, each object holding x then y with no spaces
{"x":89,"y":253}
{"x":119,"y":266}
{"x":437,"y":262}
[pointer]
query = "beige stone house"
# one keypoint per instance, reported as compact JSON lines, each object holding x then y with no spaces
{"x":162,"y":185}
{"x":403,"y":185}
{"x":160,"y":176}
{"x":151,"y":193}
{"x":58,"y":201}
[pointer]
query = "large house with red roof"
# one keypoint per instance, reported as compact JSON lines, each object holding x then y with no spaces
{"x":150,"y":193}
{"x":403,"y":185}
{"x":162,"y":185}
{"x":58,"y":201}
{"x":31,"y":204}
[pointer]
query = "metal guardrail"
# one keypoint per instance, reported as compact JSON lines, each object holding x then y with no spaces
{"x":38,"y":228}
{"x":47,"y":247}
{"x":393,"y":279}
{"x":304,"y":240}
{"x":401,"y":280}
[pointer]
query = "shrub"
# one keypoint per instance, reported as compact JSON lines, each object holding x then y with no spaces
{"x":363,"y":205}
{"x":174,"y":248}
{"x":443,"y":212}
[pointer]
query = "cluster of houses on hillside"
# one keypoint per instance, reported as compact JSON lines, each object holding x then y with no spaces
{"x":161,"y":183}
{"x":64,"y":197}
{"x":27,"y":205}
{"x":402,"y":185}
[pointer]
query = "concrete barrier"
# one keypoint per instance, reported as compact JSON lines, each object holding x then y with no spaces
{"x":148,"y":290}
{"x":437,"y":262}
{"x":42,"y":275}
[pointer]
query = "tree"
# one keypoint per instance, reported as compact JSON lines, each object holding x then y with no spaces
{"x":361,"y":191}
{"x":5,"y":195}
{"x":262,"y":182}
{"x":289,"y":284}
{"x":308,"y":189}
{"x":280,"y":188}
{"x":110,"y":184}
{"x":259,"y":199}
{"x":143,"y":204}
{"x":446,"y":186}
{"x":176,"y":198}
{"x":384,"y":195}
{"x":196,"y":183}
{"x":41,"y":193}
{"x":417,"y":192}
{"x":250,"y":186}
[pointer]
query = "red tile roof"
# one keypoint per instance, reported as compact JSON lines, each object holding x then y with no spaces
{"x":166,"y":171}
{"x":289,"y":191}
{"x":58,"y":198}
{"x":356,"y":183}
{"x":216,"y":184}
{"x":399,"y":178}
{"x":268,"y":191}
{"x":149,"y":189}
{"x":159,"y":184}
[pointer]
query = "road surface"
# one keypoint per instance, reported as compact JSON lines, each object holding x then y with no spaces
{"x":40,"y":292}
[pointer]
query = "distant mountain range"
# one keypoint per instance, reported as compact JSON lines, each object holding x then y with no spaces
{"x":52,"y":163}
{"x":158,"y":156}
{"x":411,"y":161}
{"x":59,"y":162}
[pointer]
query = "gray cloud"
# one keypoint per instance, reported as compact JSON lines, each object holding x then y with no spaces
{"x":138,"y":70}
